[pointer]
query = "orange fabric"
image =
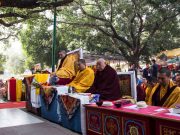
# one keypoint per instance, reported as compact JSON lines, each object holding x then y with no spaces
{"x":68,"y":70}
{"x":83,"y":80}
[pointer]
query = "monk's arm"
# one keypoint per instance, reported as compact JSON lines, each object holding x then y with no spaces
{"x":173,"y":100}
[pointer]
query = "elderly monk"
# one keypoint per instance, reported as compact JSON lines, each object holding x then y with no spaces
{"x":165,"y":93}
{"x":84,"y":78}
{"x":106,"y":82}
{"x":65,"y":70}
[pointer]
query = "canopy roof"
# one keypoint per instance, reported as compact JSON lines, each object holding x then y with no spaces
{"x":174,"y":60}
{"x":171,"y":53}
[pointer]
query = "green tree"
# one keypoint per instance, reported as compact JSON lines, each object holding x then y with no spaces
{"x":135,"y":29}
{"x":37,"y":43}
{"x":2,"y":61}
{"x":15,"y":64}
{"x":16,"y":11}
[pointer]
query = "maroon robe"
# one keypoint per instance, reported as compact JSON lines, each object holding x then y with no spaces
{"x":141,"y":94}
{"x":64,"y":81}
{"x":12,"y":89}
{"x":106,"y":83}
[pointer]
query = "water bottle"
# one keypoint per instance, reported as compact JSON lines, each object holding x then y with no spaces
{"x":69,"y":89}
{"x":72,"y":90}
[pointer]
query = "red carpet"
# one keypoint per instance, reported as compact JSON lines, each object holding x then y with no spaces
{"x":21,"y":104}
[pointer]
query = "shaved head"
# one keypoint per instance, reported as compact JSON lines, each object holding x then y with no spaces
{"x":101,"y":60}
{"x":101,"y":64}
{"x":62,"y":54}
{"x":81,"y":64}
{"x":164,"y":75}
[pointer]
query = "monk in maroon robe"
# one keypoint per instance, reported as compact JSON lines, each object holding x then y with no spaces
{"x":106,"y":82}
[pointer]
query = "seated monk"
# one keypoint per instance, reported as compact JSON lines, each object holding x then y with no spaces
{"x":141,"y":88}
{"x":65,"y":70}
{"x":165,"y":93}
{"x":84,"y":78}
{"x":106,"y":82}
{"x":149,"y":88}
{"x":144,"y":89}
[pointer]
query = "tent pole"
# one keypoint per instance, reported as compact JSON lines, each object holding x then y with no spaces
{"x":54,"y":40}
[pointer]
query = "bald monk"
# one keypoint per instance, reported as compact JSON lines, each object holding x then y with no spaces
{"x":106,"y":82}
{"x":84,"y":78}
{"x":165,"y":93}
{"x":65,"y":71}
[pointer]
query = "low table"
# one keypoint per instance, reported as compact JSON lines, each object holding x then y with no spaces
{"x":127,"y":120}
{"x":57,"y":113}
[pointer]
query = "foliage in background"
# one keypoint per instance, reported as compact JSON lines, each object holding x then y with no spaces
{"x":15,"y":64}
{"x":2,"y":61}
{"x":135,"y":29}
{"x":37,"y":43}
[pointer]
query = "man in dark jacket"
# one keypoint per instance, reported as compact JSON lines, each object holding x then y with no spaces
{"x":147,"y":73}
{"x":154,"y":70}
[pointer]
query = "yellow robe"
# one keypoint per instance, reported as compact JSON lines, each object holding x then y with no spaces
{"x":18,"y":90}
{"x":40,"y":78}
{"x":172,"y":100}
{"x":67,"y":70}
{"x":83,"y":80}
{"x":148,"y":92}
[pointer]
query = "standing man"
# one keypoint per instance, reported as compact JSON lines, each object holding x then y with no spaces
{"x":165,"y":93}
{"x":154,"y":69}
{"x":147,"y":73}
{"x":106,"y":82}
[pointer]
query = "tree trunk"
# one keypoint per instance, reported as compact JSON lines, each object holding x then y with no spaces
{"x":134,"y":59}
